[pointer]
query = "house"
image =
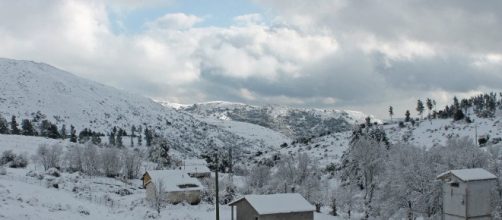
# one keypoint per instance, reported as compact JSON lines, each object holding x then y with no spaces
{"x":290,"y":206}
{"x":466,"y":194}
{"x":178,"y":186}
{"x":196,"y":168}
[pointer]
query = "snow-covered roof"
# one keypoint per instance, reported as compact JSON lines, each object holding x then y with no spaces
{"x":172,"y":179}
{"x":194,"y":162}
{"x":277,"y":203}
{"x":195,"y":169}
{"x":469,"y":174}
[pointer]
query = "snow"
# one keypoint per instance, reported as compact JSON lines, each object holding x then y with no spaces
{"x":277,"y":203}
{"x":26,"y":144}
{"x":469,"y":174}
{"x":173,"y":178}
{"x":195,"y":169}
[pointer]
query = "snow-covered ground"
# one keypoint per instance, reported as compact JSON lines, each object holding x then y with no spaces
{"x":84,"y":197}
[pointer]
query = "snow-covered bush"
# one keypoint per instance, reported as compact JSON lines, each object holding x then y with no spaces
{"x":20,"y":161}
{"x":131,"y":164}
{"x":3,"y":171}
{"x":110,"y":162}
{"x":49,"y":156}
{"x":53,"y":172}
{"x":7,"y":156}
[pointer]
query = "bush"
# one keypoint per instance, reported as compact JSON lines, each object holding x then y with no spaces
{"x":20,"y":161}
{"x":3,"y":171}
{"x":7,"y":156}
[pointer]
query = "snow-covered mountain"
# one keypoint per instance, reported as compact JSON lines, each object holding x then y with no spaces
{"x":27,"y":88}
{"x":292,"y":122}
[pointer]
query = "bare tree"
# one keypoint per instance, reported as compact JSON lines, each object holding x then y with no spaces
{"x":132,"y":164}
{"x":49,"y":156}
{"x":158,"y":196}
{"x":110,"y":162}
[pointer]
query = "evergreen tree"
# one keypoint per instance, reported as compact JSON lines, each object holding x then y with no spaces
{"x":84,"y":136}
{"x":111,"y":136}
{"x":118,"y":138}
{"x":429,"y":105}
{"x":407,"y":116}
{"x":4,"y":125}
{"x":13,"y":126}
{"x":420,"y":107}
{"x":148,"y":137}
{"x":132,"y":135}
{"x":73,"y":134}
{"x":44,"y":128}
{"x":63,"y":132}
{"x":27,"y":128}
{"x":391,"y":112}
{"x":140,"y":140}
{"x":53,"y":132}
{"x":159,"y":153}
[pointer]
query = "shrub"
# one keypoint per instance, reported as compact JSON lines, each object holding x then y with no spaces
{"x":7,"y":156}
{"x":20,"y":161}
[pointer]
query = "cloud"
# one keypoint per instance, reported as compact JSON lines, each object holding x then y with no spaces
{"x":174,"y":21}
{"x":364,"y":55}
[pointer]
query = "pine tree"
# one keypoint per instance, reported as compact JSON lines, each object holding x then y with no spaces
{"x":159,"y":153}
{"x":420,"y":107}
{"x":140,"y":140}
{"x":13,"y":126}
{"x":73,"y":134}
{"x":53,"y":132}
{"x":4,"y":125}
{"x":111,"y":136}
{"x":407,"y":116}
{"x":391,"y":112}
{"x":429,"y":105}
{"x":27,"y":128}
{"x":148,"y":137}
{"x":63,"y":132}
{"x":133,"y":129}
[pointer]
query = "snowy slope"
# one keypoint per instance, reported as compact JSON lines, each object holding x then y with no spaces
{"x":27,"y":87}
{"x":292,"y":122}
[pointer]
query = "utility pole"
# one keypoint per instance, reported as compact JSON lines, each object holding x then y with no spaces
{"x":217,"y":190}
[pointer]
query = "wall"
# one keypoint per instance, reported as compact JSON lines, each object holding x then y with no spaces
{"x":454,"y":198}
{"x":288,"y":216}
{"x":479,"y":194}
{"x":245,"y":211}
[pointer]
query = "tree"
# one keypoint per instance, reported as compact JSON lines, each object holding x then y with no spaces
{"x":49,"y":156}
{"x":110,"y":162}
{"x":159,"y":153}
{"x":420,"y":108}
{"x":332,"y":204}
{"x":27,"y":128}
{"x":13,"y":126}
{"x":132,"y":135}
{"x":73,"y":134}
{"x":132,"y":164}
{"x":53,"y":132}
{"x":148,"y":137}
{"x":4,"y":129}
{"x":407,"y":116}
{"x":63,"y":132}
{"x":157,"y":198}
{"x":391,"y":112}
{"x":140,"y":140}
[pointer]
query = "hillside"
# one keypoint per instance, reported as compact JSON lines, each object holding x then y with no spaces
{"x":30,"y":89}
{"x":292,"y":122}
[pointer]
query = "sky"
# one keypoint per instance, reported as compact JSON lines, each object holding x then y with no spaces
{"x":363,"y":55}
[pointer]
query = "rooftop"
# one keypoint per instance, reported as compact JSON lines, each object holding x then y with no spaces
{"x":277,"y":203}
{"x":469,"y":174}
{"x":175,"y":180}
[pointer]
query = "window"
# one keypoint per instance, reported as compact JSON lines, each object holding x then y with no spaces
{"x":454,"y":184}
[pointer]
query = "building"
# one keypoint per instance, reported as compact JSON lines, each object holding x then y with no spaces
{"x":466,"y":194}
{"x":178,"y":186}
{"x":196,"y":168}
{"x":291,"y":206}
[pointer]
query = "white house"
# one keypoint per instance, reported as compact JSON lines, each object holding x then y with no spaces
{"x":467,"y":193}
{"x":291,"y":206}
{"x":178,"y":186}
